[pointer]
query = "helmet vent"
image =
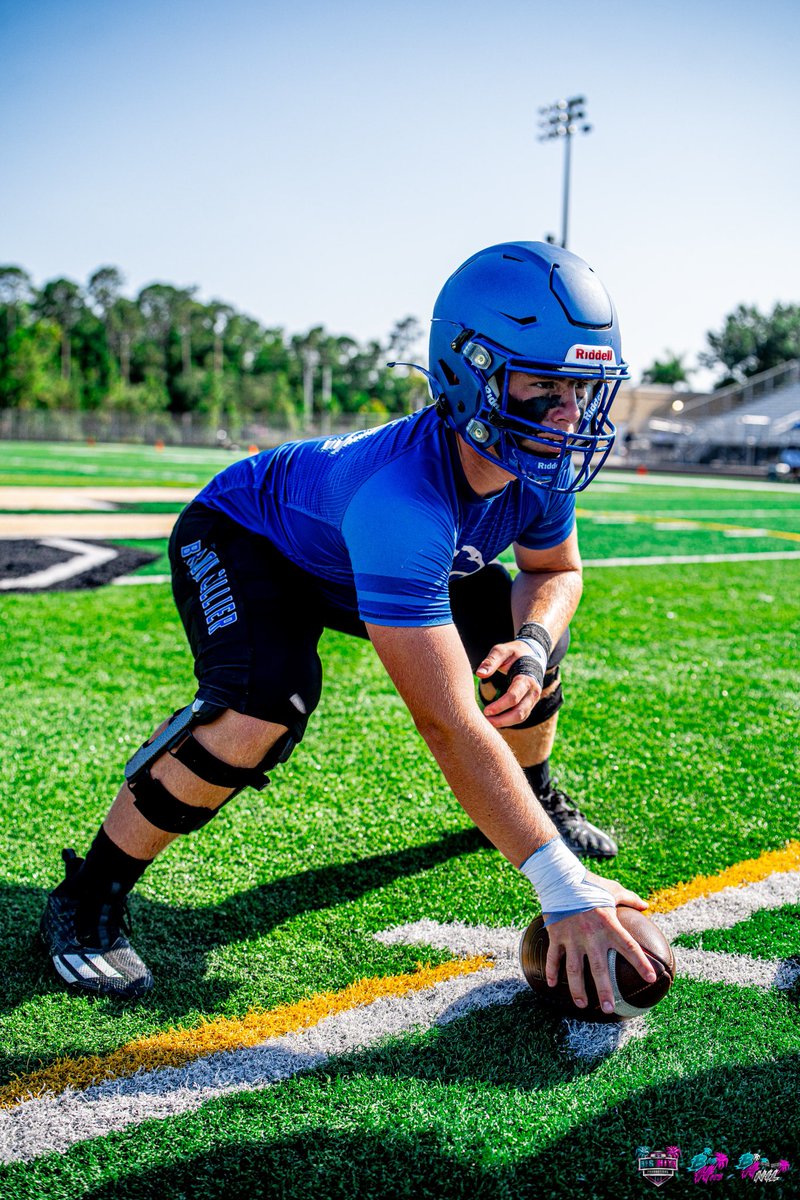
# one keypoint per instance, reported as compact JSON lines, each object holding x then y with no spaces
{"x":521,"y":320}
{"x":513,"y":258}
{"x":449,"y":374}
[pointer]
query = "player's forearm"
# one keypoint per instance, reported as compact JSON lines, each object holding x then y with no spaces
{"x":432,"y":674}
{"x":489,"y":785}
{"x":548,"y":598}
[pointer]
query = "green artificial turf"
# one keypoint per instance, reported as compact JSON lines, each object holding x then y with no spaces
{"x":491,"y":1105}
{"x":600,"y":541}
{"x":677,"y":757}
{"x":768,"y":934}
{"x":679,"y":732}
{"x":68,"y":464}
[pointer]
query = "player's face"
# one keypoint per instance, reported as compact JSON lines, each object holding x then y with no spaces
{"x":553,"y":403}
{"x":557,"y":403}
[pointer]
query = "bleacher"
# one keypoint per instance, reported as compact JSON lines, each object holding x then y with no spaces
{"x":750,"y":423}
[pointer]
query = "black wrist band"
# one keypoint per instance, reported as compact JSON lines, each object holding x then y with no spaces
{"x":527,"y":665}
{"x":537,"y":633}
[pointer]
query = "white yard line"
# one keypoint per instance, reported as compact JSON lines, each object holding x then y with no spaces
{"x":53,"y":1123}
{"x":665,"y":560}
{"x":84,"y":558}
{"x":131,"y":580}
{"x":644,"y":561}
{"x":50,"y":1124}
{"x":719,"y":910}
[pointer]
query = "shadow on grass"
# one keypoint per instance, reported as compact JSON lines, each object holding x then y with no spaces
{"x":733,"y":1109}
{"x":176,"y":941}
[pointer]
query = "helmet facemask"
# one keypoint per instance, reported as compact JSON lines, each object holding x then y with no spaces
{"x":516,"y":435}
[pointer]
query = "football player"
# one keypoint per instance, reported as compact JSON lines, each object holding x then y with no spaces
{"x":392,"y":534}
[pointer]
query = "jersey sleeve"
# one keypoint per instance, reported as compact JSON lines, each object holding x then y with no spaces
{"x":552,"y":526}
{"x":401,"y":543}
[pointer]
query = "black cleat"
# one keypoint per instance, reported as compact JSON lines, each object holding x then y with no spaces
{"x":87,"y":941}
{"x":581,"y":837}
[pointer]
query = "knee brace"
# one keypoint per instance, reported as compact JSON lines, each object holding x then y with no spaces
{"x":545,"y":707}
{"x":167,"y":812}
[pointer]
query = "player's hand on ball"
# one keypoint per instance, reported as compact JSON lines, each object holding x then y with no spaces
{"x":591,"y":935}
{"x":633,"y":994}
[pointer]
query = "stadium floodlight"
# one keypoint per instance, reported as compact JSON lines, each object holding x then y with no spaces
{"x":563,"y":119}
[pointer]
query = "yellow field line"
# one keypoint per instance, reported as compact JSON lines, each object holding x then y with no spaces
{"x":717,"y":526}
{"x":176,"y":1047}
{"x":752,"y":870}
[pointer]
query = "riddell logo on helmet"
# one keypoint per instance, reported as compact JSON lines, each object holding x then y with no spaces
{"x":591,"y":354}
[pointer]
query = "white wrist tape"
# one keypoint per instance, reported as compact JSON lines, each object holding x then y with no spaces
{"x":559,"y":879}
{"x":536,"y":649}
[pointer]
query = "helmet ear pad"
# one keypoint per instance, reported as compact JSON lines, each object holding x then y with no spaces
{"x":461,"y":389}
{"x":471,"y":400}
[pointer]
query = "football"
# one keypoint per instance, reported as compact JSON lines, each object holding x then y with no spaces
{"x":633,"y":995}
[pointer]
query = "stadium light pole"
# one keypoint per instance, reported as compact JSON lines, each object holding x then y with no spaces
{"x":310,"y":359}
{"x":564,"y":119}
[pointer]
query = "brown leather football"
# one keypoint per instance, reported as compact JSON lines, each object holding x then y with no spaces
{"x":633,"y":995}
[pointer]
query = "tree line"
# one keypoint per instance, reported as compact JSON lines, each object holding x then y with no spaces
{"x":68,"y":347}
{"x":748,"y":343}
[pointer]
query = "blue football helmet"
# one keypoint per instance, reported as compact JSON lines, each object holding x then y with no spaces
{"x":534,"y":308}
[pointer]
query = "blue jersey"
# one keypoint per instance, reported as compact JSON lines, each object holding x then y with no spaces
{"x":385,"y":519}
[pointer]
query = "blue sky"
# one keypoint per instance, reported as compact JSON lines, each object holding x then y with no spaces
{"x":332,"y":163}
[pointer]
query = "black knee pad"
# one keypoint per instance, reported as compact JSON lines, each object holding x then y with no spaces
{"x":171,"y":815}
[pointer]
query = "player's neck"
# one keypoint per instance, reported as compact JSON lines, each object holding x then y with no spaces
{"x":483,"y":477}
